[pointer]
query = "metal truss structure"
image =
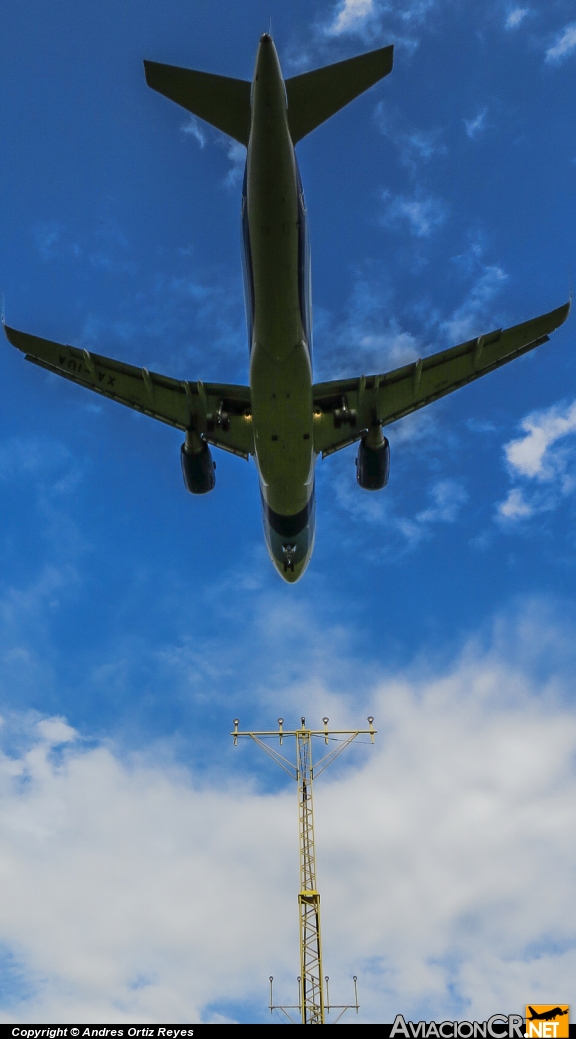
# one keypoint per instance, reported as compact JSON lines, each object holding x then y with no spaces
{"x":312,"y":1003}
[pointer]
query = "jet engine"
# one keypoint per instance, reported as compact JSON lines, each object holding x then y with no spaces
{"x":373,"y":462}
{"x":197,"y":466}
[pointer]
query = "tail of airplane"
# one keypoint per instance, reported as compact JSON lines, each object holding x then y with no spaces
{"x":312,"y":97}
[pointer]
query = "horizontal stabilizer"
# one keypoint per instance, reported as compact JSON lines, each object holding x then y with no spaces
{"x":221,"y":101}
{"x":314,"y":96}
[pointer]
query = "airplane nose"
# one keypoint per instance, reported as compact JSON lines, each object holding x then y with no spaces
{"x":265,"y":37}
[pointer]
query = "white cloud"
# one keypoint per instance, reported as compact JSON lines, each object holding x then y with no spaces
{"x":237,"y":158}
{"x":515,"y":17}
{"x":416,"y":10}
{"x":531,"y":455}
{"x":394,"y":345}
{"x":104,"y":248}
{"x":109,"y":263}
{"x":396,"y":532}
{"x":445,"y":857}
{"x":367,"y":18}
{"x":366,"y":338}
{"x":422,"y":145}
{"x":480,"y":426}
{"x":25,"y":457}
{"x":546,"y":454}
{"x":565,"y":45}
{"x":448,"y":496}
{"x":416,"y":146}
{"x":53,"y":241}
{"x":515,"y":506}
{"x":115,"y":878}
{"x":476,"y":125}
{"x":193,"y":129}
{"x":48,"y":240}
{"x":351,"y":15}
{"x":469,"y":317}
{"x":422,"y":215}
{"x":235,"y":151}
{"x":55,"y":732}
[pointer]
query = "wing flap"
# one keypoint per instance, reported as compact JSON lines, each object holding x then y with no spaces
{"x":220,"y":412}
{"x":345,"y":408}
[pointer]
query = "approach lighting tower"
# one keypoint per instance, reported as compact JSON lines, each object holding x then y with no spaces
{"x":311,"y":1002}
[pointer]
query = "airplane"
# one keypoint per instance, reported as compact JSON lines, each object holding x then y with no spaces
{"x":282,"y":419}
{"x":546,"y":1015}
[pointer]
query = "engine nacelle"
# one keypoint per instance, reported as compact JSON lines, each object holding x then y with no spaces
{"x":373,"y":464}
{"x":198,"y":469}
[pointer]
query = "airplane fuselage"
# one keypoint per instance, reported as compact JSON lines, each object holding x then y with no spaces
{"x":277,"y":285}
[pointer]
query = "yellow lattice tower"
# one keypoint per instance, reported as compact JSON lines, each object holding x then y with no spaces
{"x":311,"y":1002}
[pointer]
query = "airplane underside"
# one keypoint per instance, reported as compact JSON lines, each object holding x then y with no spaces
{"x":282,"y":419}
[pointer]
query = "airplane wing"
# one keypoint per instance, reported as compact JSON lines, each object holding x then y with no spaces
{"x":222,"y":414}
{"x":344,"y":409}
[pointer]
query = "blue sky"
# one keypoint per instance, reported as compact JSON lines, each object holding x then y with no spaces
{"x":143,"y":858}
